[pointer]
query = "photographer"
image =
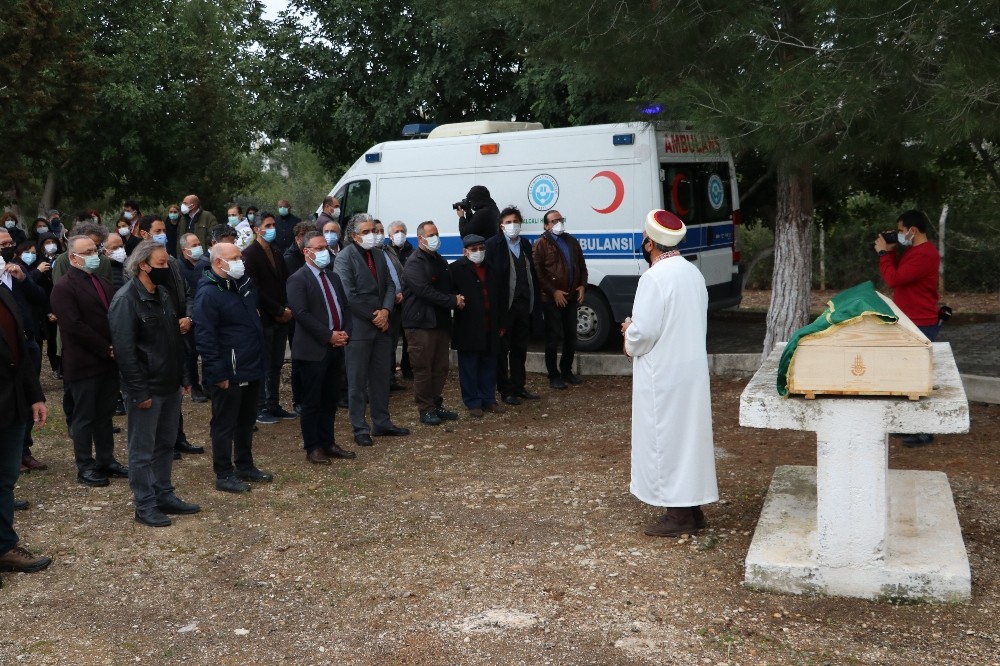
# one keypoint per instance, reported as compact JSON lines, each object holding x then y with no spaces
{"x":485,"y":216}
{"x":913,"y":278}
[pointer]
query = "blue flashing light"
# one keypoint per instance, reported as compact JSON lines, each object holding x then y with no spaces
{"x":372,"y":158}
{"x":418,"y":130}
{"x":651,"y":110}
{"x":623,"y":139}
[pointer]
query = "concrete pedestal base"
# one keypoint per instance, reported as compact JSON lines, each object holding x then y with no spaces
{"x":924,"y":560}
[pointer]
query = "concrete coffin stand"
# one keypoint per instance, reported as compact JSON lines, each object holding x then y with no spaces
{"x":850,"y":526}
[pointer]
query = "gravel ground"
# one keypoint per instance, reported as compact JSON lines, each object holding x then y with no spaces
{"x":506,"y":540}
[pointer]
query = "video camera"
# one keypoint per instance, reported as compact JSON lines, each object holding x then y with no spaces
{"x":464,"y":204}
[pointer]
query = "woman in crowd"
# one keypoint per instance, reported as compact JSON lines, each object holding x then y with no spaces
{"x":35,"y":327}
{"x":8,"y":221}
{"x":129,"y":239}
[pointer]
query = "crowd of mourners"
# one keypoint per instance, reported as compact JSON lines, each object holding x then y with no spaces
{"x":138,"y":314}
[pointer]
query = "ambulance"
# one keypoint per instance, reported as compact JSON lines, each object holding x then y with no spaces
{"x":604,"y":179}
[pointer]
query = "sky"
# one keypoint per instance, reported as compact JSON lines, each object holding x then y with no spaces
{"x":272,"y":7}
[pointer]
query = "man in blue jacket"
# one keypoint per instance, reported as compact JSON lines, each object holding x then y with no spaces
{"x":230,"y":339}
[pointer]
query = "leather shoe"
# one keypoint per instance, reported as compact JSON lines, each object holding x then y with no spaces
{"x":115,"y":469}
{"x":231,"y":484}
{"x":334,"y":451}
{"x":675,"y":522}
{"x":557,"y":383}
{"x":117,"y":430}
{"x":19,"y":559}
{"x":446,"y":414}
{"x":177,"y":505}
{"x":254,"y":474}
{"x":430,"y":417}
{"x":152,"y":517}
{"x":177,"y":454}
{"x":92,"y":478}
{"x":317,"y":457}
{"x":21,"y":505}
{"x":363,"y":439}
{"x":699,"y":517}
{"x":185,"y":446}
{"x":396,"y":386}
{"x":29,"y":461}
{"x":526,"y":394}
{"x":494,"y":408}
{"x":343,"y":404}
{"x":570,"y":378}
{"x":24,"y":469}
{"x":394,"y":431}
{"x":913,"y":441}
{"x":476,"y":412}
{"x":198,"y":394}
{"x":512,"y":399}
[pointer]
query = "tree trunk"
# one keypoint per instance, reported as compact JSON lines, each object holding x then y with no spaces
{"x":48,"y":200}
{"x":792,"y":277}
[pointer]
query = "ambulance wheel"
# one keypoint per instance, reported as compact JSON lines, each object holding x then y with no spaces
{"x":593,"y":322}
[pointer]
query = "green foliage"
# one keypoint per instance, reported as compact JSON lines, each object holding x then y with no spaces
{"x":294,"y":172}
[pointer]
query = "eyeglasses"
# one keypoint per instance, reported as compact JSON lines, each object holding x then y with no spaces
{"x":7,"y":246}
{"x":558,"y":220}
{"x":88,"y":253}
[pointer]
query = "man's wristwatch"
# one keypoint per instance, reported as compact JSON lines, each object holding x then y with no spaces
{"x":881,"y":252}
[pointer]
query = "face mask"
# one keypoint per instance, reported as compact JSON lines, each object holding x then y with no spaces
{"x":250,"y":217}
{"x":557,"y":228}
{"x":160,"y":238}
{"x":433,"y":243}
{"x":50,"y":249}
{"x":233,"y":220}
{"x":90,"y":262}
{"x":335,"y":214}
{"x":196,"y":252}
{"x":321,"y":258}
{"x":398,"y":239}
{"x":173,"y":216}
{"x":379,"y":240}
{"x":3,"y":265}
{"x":10,"y":224}
{"x":128,"y":215}
{"x":28,"y":257}
{"x":41,"y":230}
{"x":185,"y":209}
{"x":283,"y":211}
{"x":95,"y":220}
{"x":368,"y":241}
{"x":905,"y":240}
{"x":117,"y":255}
{"x":512,"y":230}
{"x":269,"y":234}
{"x":646,"y":255}
{"x":477,"y":256}
{"x":124,"y":232}
{"x":331,"y":237}
{"x":55,"y":221}
{"x":8,"y":254}
{"x":236,"y":268}
{"x":159,"y":276}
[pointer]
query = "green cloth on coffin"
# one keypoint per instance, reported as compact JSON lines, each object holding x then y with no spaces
{"x":841,"y":310}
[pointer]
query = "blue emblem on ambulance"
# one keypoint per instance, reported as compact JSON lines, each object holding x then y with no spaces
{"x":543,"y":192}
{"x":716,"y":192}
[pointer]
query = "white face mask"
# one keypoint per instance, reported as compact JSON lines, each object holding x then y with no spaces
{"x":558,"y":228}
{"x":335,"y":214}
{"x":477,"y":256}
{"x":50,"y":249}
{"x":512,"y":230}
{"x":904,"y":239}
{"x":379,"y":240}
{"x":368,"y":240}
{"x":124,"y":232}
{"x":185,"y":209}
{"x":118,"y":255}
{"x":236,"y":268}
{"x":433,"y":242}
{"x":398,"y":239}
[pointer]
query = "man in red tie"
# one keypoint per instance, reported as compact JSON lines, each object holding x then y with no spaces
{"x":322,"y":329}
{"x":80,"y":302}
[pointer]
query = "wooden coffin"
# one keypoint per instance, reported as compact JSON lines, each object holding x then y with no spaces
{"x":864,"y":357}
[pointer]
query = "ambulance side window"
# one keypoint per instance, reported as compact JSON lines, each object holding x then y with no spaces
{"x":355,"y":198}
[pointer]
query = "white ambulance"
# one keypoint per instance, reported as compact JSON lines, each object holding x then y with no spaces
{"x":604,"y":179}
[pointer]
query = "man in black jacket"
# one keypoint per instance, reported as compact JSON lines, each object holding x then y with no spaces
{"x":284,"y":226}
{"x":476,"y":335}
{"x":266,"y":266}
{"x":23,"y":401}
{"x":150,"y":353}
{"x":483,"y":216}
{"x":516,"y":285}
{"x":427,"y":304}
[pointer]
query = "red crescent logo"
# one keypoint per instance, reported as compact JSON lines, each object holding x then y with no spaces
{"x":619,"y":191}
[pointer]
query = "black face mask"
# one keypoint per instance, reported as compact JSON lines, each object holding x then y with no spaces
{"x":645,"y":254}
{"x":159,"y":276}
{"x":8,"y":254}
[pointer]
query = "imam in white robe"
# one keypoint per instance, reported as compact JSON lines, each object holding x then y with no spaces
{"x":673,"y":456}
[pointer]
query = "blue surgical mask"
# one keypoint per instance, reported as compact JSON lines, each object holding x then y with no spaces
{"x":269,"y":234}
{"x":904,"y":239}
{"x":128,"y":215}
{"x":28,"y":257}
{"x":233,"y":220}
{"x":250,"y":217}
{"x":322,"y":258}
{"x":282,"y":211}
{"x":160,"y":238}
{"x":174,"y":216}
{"x":196,"y":252}
{"x":433,"y":243}
{"x":91,"y":262}
{"x":331,"y":237}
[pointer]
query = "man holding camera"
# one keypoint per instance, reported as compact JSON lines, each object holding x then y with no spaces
{"x":477,"y":214}
{"x":913,"y":278}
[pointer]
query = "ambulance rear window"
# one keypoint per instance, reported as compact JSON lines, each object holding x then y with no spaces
{"x":355,"y":198}
{"x":698,"y":193}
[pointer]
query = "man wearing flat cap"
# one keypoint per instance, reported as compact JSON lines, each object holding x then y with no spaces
{"x":673,"y":457}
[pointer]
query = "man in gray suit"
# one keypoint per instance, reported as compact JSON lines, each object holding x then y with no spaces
{"x":322,"y":330}
{"x":370,"y":296}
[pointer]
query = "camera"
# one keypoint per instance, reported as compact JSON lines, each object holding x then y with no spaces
{"x":890,"y":237}
{"x":464,"y":204}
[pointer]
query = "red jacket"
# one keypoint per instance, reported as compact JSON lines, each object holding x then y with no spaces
{"x":914,"y":281}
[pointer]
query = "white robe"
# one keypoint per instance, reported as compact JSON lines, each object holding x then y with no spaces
{"x":673,"y":457}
